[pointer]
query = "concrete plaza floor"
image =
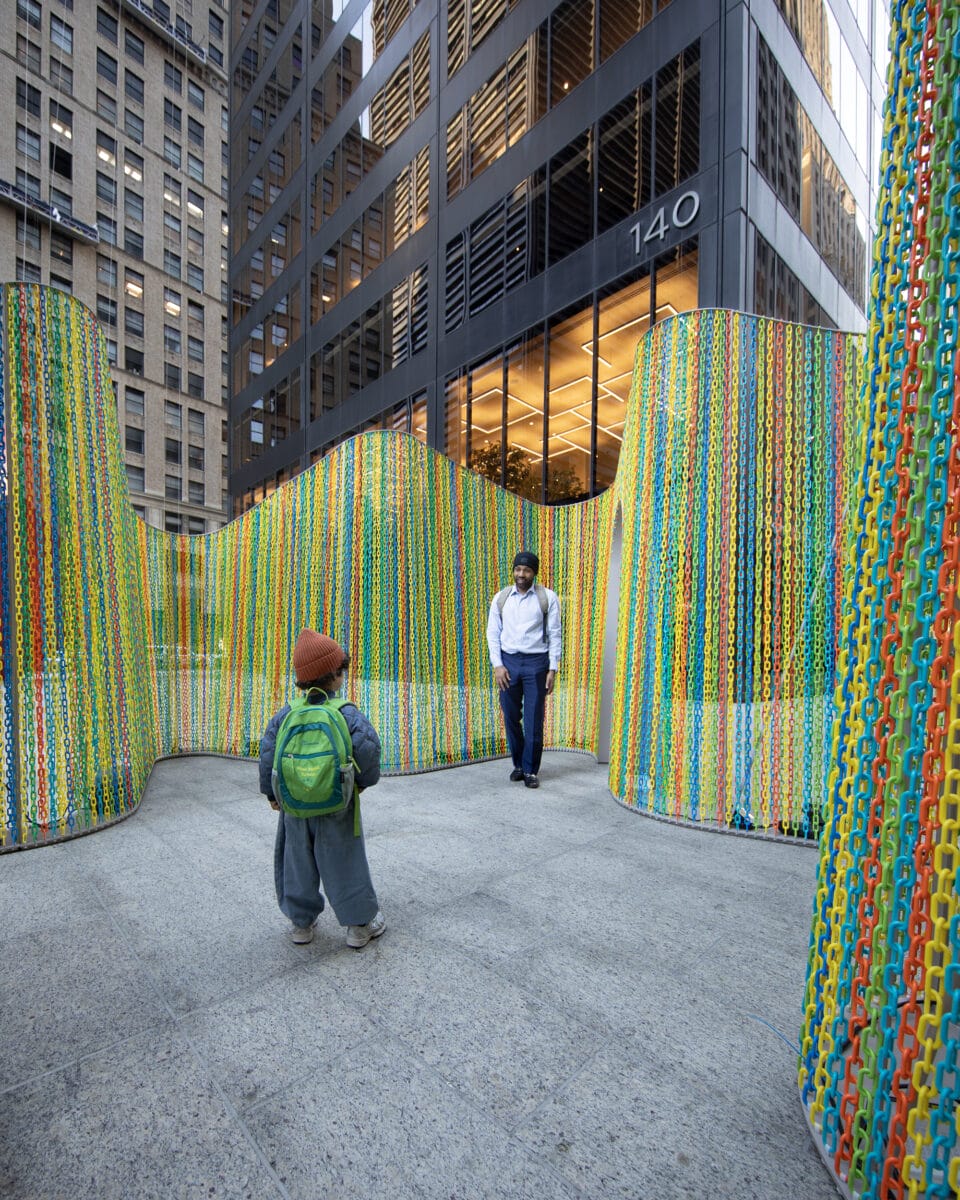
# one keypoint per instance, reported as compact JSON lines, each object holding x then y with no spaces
{"x":570,"y":1001}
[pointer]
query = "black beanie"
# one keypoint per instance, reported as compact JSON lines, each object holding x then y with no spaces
{"x":526,"y":559}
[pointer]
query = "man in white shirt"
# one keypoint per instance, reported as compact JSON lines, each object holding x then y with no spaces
{"x":523,"y":634}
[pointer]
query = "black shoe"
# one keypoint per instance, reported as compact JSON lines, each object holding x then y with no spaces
{"x":531,"y":781}
{"x":516,"y":775}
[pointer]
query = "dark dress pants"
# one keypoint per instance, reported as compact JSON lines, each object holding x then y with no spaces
{"x":523,"y":704}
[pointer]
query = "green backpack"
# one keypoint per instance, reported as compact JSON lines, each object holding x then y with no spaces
{"x":313,"y":767}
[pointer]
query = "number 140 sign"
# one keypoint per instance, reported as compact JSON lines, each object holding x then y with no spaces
{"x":684,"y":213}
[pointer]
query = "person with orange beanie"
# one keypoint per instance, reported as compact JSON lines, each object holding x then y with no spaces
{"x":328,"y":850}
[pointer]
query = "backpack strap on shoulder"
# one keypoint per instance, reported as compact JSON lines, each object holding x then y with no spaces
{"x":544,"y":605}
{"x":338,"y":703}
{"x":502,"y":599}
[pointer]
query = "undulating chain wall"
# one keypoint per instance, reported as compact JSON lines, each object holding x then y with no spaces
{"x":78,"y":734}
{"x":120,"y":644}
{"x":735,"y":477}
{"x":879,"y":1052}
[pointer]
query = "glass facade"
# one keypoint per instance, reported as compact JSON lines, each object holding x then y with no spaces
{"x":485,"y":225}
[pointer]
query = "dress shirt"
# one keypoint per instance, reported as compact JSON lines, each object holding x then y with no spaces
{"x":520,"y":630}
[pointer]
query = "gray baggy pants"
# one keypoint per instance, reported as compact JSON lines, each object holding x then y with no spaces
{"x":311,"y":851}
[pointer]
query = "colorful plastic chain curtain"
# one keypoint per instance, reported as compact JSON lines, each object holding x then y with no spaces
{"x":735,"y":478}
{"x":120,"y":644}
{"x":78,"y":732}
{"x":396,"y":552}
{"x":879,"y":1071}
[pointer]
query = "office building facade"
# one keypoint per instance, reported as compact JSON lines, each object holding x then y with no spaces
{"x":113,"y":183}
{"x":457,"y":218}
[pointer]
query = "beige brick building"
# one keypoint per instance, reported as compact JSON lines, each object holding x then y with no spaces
{"x":113,"y":175}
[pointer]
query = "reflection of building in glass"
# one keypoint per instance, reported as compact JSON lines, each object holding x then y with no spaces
{"x":463,"y":236}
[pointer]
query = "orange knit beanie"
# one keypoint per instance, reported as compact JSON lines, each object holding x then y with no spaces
{"x":315,"y":656}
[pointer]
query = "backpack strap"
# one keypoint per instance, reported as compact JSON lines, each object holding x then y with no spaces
{"x":502,"y":599}
{"x":338,"y":702}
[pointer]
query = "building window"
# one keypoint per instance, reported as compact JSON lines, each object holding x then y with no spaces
{"x":194,"y":203}
{"x":28,"y":55}
{"x":195,"y":94}
{"x":106,"y":66}
{"x":61,"y":76}
{"x":133,"y":87}
{"x":133,"y":441}
{"x":28,"y":231}
{"x":29,"y":11}
{"x":61,"y":203}
{"x":173,"y":414}
{"x":171,"y":340}
{"x":195,"y":167}
{"x":195,"y":423}
{"x":171,"y":302}
{"x":195,"y":277}
{"x":106,"y":188}
{"x":28,"y":97}
{"x":195,"y":491}
{"x":107,"y":310}
{"x":172,"y":226}
{"x":195,"y":349}
{"x":133,"y":126}
{"x":28,"y":143}
{"x":133,"y":402}
{"x":195,"y":132}
{"x":133,"y":242}
{"x":106,"y":107}
{"x":61,"y":120}
{"x":106,"y":271}
{"x":28,"y":183}
{"x":171,"y":152}
{"x":172,"y":77}
{"x":195,"y":459}
{"x":171,"y":376}
{"x":27,"y":272}
{"x":107,"y":228}
{"x":216,"y":27}
{"x":171,"y":190}
{"x":133,"y":46}
{"x":135,"y":480}
{"x":106,"y":148}
{"x":172,"y":522}
{"x":133,"y":322}
{"x":132,"y":205}
{"x":61,"y":162}
{"x":171,"y":263}
{"x":194,"y":386}
{"x":172,"y":451}
{"x":171,"y":115}
{"x":195,"y":242}
{"x":61,"y":34}
{"x":106,"y":26}
{"x":133,"y":283}
{"x":195,"y":312}
{"x":132,"y":165}
{"x":61,"y":248}
{"x":172,"y":487}
{"x":133,"y":360}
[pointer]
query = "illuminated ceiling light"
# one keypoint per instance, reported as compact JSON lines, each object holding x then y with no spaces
{"x":224,"y":228}
{"x":171,"y":197}
{"x":105,"y":156}
{"x":133,"y":289}
{"x":566,"y":86}
{"x":325,"y":298}
{"x":172,"y":308}
{"x":193,"y":209}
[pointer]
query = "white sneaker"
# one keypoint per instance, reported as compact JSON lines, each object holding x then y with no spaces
{"x":359,"y":935}
{"x":301,"y":934}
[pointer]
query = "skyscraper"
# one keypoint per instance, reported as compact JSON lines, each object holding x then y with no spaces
{"x":457,"y":217}
{"x":113,"y":184}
